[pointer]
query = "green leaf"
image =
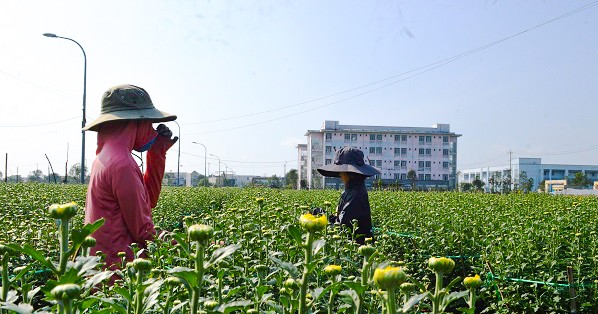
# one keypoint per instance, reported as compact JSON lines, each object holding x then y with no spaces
{"x":20,"y":309}
{"x":295,"y":234}
{"x":40,"y":257}
{"x":187,"y":274}
{"x":352,"y":296}
{"x":318,"y":245}
{"x":234,"y":306}
{"x":290,"y":268}
{"x":414,"y":300}
{"x":448,"y":299}
{"x":355,"y":286}
{"x":182,"y":242}
{"x":221,"y":254}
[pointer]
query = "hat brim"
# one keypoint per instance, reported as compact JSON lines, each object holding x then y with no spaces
{"x":152,"y":114}
{"x":333,"y":170}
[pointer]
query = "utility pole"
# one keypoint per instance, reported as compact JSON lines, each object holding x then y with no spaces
{"x":510,"y":170}
{"x":285,"y":174}
{"x":6,"y":168}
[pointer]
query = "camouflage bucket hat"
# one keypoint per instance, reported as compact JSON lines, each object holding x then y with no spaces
{"x":128,"y":102}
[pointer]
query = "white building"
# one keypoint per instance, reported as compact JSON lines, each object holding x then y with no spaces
{"x":533,"y":169}
{"x":430,"y":151}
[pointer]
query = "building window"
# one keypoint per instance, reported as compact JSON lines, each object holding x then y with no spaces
{"x":420,"y":176}
{"x":422,"y":151}
{"x":403,"y":163}
{"x":379,"y":150}
{"x":372,"y":150}
{"x":379,"y":163}
{"x":428,"y":164}
{"x":378,"y":137}
{"x":403,"y":151}
{"x":328,"y":136}
{"x":347,"y":137}
{"x":420,"y":164}
{"x":328,"y":149}
{"x":422,"y":139}
{"x":427,"y":177}
{"x":428,"y":151}
{"x":445,"y":177}
{"x":403,"y":138}
{"x":445,"y":139}
{"x":445,"y":164}
{"x":353,"y":137}
{"x":445,"y":152}
{"x":372,"y":137}
{"x":397,"y":176}
{"x":397,"y":137}
{"x":397,"y":163}
{"x":328,"y":161}
{"x":403,"y":176}
{"x":397,"y":151}
{"x":428,"y":139}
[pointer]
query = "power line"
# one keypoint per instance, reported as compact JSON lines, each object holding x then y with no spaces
{"x":35,"y":124}
{"x":238,"y":161}
{"x":431,"y":66}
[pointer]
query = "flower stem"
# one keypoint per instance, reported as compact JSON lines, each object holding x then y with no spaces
{"x":64,"y":246}
{"x":391,"y":301}
{"x":5,"y":282}
{"x":303,"y":292}
{"x":437,"y":294}
{"x":199,"y":256}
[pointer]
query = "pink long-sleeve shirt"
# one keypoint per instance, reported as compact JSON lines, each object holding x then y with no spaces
{"x":119,"y":192}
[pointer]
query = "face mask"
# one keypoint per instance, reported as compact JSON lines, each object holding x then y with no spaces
{"x":146,"y":146}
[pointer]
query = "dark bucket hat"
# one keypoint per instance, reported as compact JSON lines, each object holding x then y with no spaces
{"x":348,"y":159}
{"x":128,"y":102}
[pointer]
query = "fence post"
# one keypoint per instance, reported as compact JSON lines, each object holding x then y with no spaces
{"x":572,"y":290}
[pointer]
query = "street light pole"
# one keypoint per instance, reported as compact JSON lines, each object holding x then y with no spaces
{"x":219,"y":173}
{"x":178,"y":165}
{"x":84,"y":96}
{"x":205,"y":160}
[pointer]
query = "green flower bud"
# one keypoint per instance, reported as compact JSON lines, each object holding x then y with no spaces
{"x":141,"y":264}
{"x":210,"y":304}
{"x":64,"y":211}
{"x":291,"y":284}
{"x":311,"y":223}
{"x":332,"y":270}
{"x":89,"y":242}
{"x":441,"y":264}
{"x":389,"y":277}
{"x":66,"y":292}
{"x":407,"y":287}
{"x":200,"y":233}
{"x":366,"y":250}
{"x":472,"y":282}
{"x":121,"y":254}
{"x":173,"y":281}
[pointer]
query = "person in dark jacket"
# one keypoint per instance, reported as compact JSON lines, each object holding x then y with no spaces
{"x":348,"y":164}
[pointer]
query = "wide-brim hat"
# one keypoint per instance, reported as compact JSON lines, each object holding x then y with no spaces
{"x":128,"y":102}
{"x":348,"y":159}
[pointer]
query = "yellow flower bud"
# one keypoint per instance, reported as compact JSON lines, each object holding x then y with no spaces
{"x":311,"y":223}
{"x":332,"y":270}
{"x":472,"y":282}
{"x":441,"y":264}
{"x":389,"y":277}
{"x":64,"y":211}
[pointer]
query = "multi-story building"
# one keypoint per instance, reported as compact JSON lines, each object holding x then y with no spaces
{"x":302,"y":166}
{"x":429,"y":151}
{"x":531,"y":168}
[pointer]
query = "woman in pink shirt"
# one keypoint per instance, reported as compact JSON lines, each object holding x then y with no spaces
{"x":118,"y":191}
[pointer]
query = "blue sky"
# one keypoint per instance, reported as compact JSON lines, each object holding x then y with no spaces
{"x":248,"y":78}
